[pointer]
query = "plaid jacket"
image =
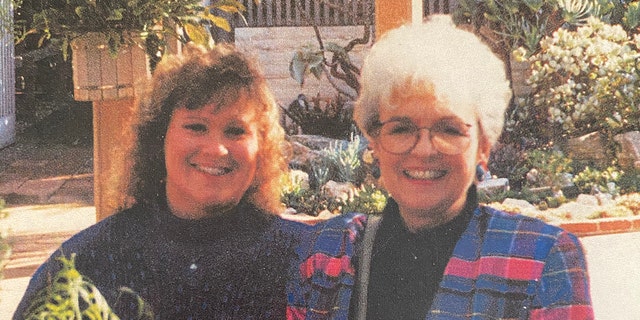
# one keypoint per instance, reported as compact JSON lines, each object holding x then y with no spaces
{"x":503,"y":267}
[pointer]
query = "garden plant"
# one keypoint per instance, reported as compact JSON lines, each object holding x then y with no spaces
{"x":570,"y":96}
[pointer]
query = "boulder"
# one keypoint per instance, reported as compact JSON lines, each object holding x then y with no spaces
{"x":629,"y":154}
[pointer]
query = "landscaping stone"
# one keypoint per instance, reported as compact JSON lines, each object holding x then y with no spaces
{"x":494,"y":185}
{"x":587,"y":199}
{"x":518,"y":203}
{"x":629,"y":154}
{"x":343,"y":190}
{"x":302,"y":157}
{"x":589,"y":147}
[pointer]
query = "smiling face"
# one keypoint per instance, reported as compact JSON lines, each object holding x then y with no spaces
{"x":211,"y":157}
{"x":429,"y":186}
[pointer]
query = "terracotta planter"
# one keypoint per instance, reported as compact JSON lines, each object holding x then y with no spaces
{"x":97,"y":75}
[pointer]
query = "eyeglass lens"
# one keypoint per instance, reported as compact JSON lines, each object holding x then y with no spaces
{"x":448,"y":136}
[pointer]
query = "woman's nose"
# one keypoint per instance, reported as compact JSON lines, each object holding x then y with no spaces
{"x":215,"y":147}
{"x":424,"y":146}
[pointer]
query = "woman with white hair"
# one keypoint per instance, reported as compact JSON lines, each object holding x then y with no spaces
{"x":432,"y":105}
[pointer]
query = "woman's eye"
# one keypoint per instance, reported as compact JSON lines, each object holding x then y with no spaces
{"x":196,"y":127}
{"x":401,"y":129}
{"x":451,"y":129}
{"x":235,"y":131}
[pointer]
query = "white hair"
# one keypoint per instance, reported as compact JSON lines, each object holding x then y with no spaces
{"x":461,"y":69}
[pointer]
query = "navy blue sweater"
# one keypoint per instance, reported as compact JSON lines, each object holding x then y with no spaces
{"x":229,"y":267}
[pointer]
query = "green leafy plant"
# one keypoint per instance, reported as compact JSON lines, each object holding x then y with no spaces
{"x":509,"y":160}
{"x":122,"y":21}
{"x":341,"y":165}
{"x":511,"y":23}
{"x":332,"y":118}
{"x":330,"y":58}
{"x":550,"y":167}
{"x":629,"y":181}
{"x":298,"y":195}
{"x":590,"y":180}
{"x":346,"y":159}
{"x":588,"y":80}
{"x":367,"y":199}
{"x":72,"y":296}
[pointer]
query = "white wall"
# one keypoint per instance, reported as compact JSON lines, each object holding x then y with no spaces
{"x":274,"y":47}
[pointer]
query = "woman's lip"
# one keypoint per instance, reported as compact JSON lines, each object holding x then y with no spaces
{"x":212,"y":170}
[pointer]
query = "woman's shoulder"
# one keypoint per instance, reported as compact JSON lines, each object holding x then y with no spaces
{"x":327,"y":231}
{"x":116,"y":227}
{"x":521,"y":225}
{"x":323,"y":223}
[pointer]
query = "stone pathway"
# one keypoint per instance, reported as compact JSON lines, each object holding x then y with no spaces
{"x":46,"y":179}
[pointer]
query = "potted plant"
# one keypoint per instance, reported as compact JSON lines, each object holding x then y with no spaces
{"x":123,"y":21}
{"x":98,"y":29}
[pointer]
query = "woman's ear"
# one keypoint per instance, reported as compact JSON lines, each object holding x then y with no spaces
{"x":484,"y":151}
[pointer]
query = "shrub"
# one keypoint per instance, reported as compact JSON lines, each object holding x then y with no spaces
{"x":367,"y":199}
{"x":508,"y":160}
{"x":587,"y":80}
{"x":332,"y":118}
{"x":297,"y":194}
{"x":631,"y":202}
{"x":340,"y":164}
{"x":629,"y":181}
{"x":548,"y":168}
{"x":592,"y":180}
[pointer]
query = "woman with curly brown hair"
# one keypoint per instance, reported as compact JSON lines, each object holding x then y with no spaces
{"x":200,"y":238}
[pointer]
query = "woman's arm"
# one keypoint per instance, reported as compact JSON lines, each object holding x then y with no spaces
{"x":563,"y":289}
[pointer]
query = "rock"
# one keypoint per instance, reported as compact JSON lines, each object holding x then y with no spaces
{"x":343,"y":190}
{"x":587,"y":199}
{"x":589,"y":147}
{"x":302,"y":157}
{"x":510,"y":202}
{"x":300,"y":177}
{"x":629,"y":154}
{"x":494,"y":185}
{"x":577,"y":210}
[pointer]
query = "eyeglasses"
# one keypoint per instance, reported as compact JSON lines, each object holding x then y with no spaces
{"x":400,"y":136}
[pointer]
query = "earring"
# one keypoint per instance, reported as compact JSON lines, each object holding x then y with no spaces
{"x":480,"y":172}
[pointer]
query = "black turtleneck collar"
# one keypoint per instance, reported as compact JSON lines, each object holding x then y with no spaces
{"x":244,"y":218}
{"x":407,"y":267}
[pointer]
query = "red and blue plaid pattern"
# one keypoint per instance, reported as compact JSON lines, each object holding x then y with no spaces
{"x":503,"y":267}
{"x":323,"y":281}
{"x":514,"y":267}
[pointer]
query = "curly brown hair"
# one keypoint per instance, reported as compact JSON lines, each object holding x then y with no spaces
{"x":193,"y":80}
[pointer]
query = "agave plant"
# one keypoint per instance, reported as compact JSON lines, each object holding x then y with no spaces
{"x":576,"y":12}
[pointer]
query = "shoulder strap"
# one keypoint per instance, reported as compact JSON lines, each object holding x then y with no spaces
{"x":364,"y":252}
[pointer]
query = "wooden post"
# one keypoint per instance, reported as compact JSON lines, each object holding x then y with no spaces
{"x":112,"y":83}
{"x":112,"y":138}
{"x":391,"y":14}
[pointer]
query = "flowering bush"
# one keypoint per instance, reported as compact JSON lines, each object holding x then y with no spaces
{"x":588,"y":79}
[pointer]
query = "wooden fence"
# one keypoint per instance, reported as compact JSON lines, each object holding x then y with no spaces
{"x":7,"y":79}
{"x":283,"y":13}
